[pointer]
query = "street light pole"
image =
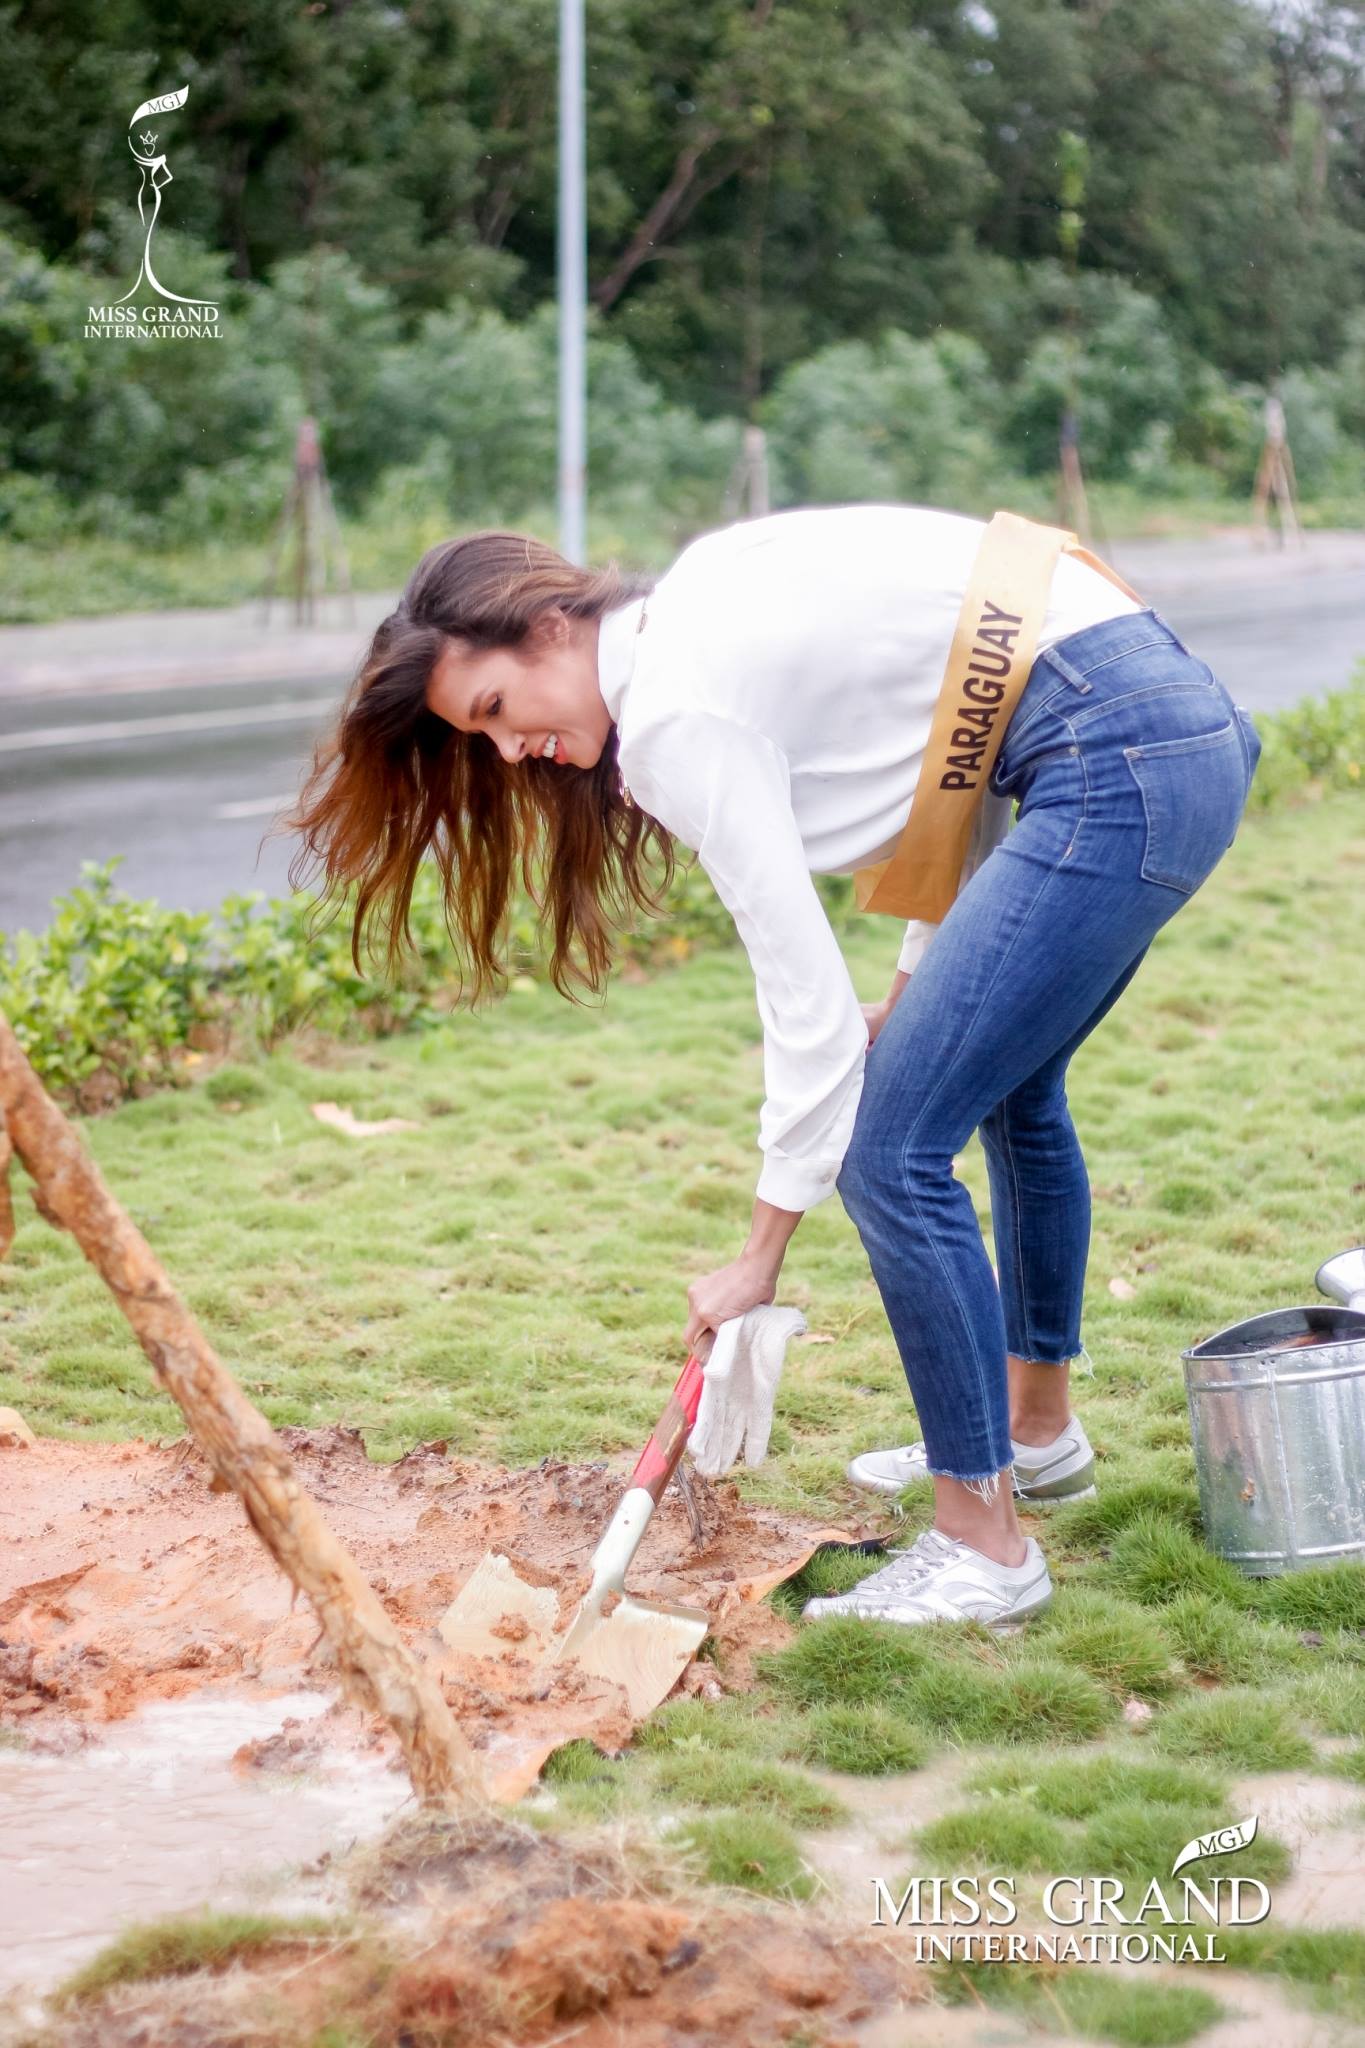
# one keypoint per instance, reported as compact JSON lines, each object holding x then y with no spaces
{"x":573,"y":284}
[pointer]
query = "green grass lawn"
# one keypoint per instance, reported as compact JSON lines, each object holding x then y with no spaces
{"x":511,"y":1275}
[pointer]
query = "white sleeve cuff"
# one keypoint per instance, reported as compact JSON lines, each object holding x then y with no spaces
{"x":913,"y":945}
{"x":794,"y":1184}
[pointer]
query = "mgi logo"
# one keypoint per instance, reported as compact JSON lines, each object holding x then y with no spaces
{"x":185,"y":318}
{"x":946,"y":1914}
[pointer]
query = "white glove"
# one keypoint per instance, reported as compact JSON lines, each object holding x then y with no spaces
{"x":739,"y":1388}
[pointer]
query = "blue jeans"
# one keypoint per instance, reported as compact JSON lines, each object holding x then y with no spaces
{"x":1131,"y":766}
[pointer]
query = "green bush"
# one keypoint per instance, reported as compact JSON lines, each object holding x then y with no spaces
{"x":106,"y":998}
{"x":1129,"y":378}
{"x":143,"y":443}
{"x":111,"y":984}
{"x":1318,"y":743}
{"x":898,"y":419}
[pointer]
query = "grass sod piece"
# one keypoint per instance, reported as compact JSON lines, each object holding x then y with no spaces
{"x":1238,"y":1728}
{"x":1038,"y":1695}
{"x":729,"y":1724}
{"x":1154,"y":1560}
{"x":585,"y":1801}
{"x":586,"y":1784}
{"x":864,"y":1742}
{"x":1120,"y":1812}
{"x":861,"y":1741}
{"x":1331,"y":1700}
{"x":1218,"y":1641}
{"x":1350,"y":1764}
{"x":998,"y":1834}
{"x":1118,"y":1643}
{"x":575,"y":1763}
{"x":681,"y":1762}
{"x":1332,"y":1596}
{"x":1078,"y":1787}
{"x":702,"y":1779}
{"x":1326,"y":1966}
{"x":931,"y":1675}
{"x":1091,"y":2002}
{"x":753,"y":1851}
{"x":178,"y":1947}
{"x":1085,"y":1524}
{"x":853,"y":1663}
{"x":1139,"y":1840}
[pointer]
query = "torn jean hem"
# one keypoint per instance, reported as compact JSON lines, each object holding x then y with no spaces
{"x":985,"y":1485}
{"x":1071,"y":1358}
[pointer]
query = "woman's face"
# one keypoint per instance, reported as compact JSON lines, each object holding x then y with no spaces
{"x":539,"y":699}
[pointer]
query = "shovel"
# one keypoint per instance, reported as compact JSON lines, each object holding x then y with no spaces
{"x":642,"y":1644}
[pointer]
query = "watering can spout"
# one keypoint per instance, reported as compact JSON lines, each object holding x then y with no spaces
{"x":1342,"y":1277}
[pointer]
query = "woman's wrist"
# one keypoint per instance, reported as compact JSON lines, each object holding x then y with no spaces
{"x":769,"y":1235}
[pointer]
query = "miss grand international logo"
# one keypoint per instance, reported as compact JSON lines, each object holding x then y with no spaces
{"x":1088,"y":1919}
{"x":177,"y":316}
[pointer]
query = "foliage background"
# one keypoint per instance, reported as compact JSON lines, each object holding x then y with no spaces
{"x":842,"y":222}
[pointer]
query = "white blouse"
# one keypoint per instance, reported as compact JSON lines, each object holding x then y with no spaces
{"x":772,"y":714}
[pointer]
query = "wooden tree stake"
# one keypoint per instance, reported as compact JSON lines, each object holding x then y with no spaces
{"x":374,"y":1662}
{"x":1275,"y":478}
{"x":6,"y":1200}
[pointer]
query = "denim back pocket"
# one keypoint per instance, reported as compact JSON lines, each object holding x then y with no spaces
{"x":1192,"y":791}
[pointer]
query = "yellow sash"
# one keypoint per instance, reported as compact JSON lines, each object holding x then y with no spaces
{"x":988,"y":664}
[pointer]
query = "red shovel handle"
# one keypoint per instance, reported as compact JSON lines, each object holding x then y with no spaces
{"x":658,"y":1460}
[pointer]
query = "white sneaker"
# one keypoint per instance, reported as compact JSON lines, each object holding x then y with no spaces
{"x":938,"y":1578}
{"x":1062,"y":1470}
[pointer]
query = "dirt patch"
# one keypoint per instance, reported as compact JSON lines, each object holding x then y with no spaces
{"x":126,"y":1578}
{"x":1321,"y":1819}
{"x":528,"y":1938}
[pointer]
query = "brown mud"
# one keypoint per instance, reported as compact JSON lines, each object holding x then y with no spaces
{"x":523,"y":1938}
{"x":126,"y":1579}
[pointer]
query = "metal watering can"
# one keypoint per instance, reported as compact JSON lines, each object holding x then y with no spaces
{"x":1277,"y":1417}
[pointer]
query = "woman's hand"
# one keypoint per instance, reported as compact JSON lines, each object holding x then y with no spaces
{"x":876,"y":1014}
{"x":745,"y":1283}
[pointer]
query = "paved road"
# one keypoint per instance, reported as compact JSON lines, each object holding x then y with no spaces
{"x":186,"y":804}
{"x":173,"y":738}
{"x":1273,"y":626}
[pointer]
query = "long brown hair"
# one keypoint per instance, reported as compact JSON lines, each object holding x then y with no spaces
{"x":393,"y":782}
